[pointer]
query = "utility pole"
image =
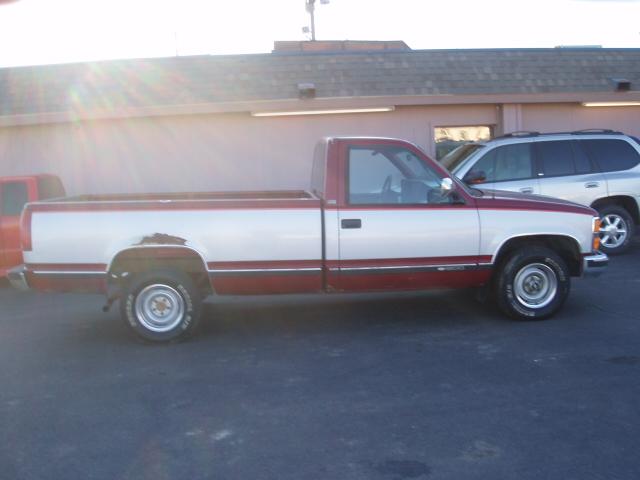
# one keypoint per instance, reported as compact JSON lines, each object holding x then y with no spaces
{"x":311,"y":9}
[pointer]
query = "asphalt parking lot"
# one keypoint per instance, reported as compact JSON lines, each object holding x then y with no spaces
{"x":400,"y":386}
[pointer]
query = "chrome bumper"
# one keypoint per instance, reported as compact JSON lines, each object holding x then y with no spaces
{"x":594,"y":264}
{"x":18,"y":278}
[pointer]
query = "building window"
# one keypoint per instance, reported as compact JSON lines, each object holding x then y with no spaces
{"x":450,"y":138}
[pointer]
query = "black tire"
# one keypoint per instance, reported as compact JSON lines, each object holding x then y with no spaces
{"x":608,"y":214}
{"x":147,"y":302}
{"x":519,"y":276}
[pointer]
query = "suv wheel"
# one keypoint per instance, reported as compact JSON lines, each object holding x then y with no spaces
{"x":616,"y":230}
{"x":532,"y":284}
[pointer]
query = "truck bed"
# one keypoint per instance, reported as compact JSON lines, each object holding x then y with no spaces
{"x":247,"y":241}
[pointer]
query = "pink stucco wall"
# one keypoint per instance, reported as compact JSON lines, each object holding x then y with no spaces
{"x":237,"y":151}
{"x":563,"y":117}
{"x":206,"y":152}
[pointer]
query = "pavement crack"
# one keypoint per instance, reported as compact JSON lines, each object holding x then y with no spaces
{"x":609,"y":311}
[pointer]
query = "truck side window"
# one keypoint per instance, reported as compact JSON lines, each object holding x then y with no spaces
{"x":14,"y":197}
{"x":370,"y":173}
{"x":390,"y":175}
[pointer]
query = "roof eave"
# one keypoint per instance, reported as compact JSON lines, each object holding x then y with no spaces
{"x":79,"y":115}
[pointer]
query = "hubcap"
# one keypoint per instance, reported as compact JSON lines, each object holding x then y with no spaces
{"x":613,"y":231}
{"x":159,"y":308}
{"x":535,"y":285}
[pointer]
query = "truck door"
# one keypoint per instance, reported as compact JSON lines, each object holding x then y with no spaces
{"x":396,"y":228}
{"x":14,"y":194}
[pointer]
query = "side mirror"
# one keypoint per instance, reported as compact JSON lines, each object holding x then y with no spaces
{"x":446,"y":186}
{"x":475,"y":177}
{"x":448,"y":193}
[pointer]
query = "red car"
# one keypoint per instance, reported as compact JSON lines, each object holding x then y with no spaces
{"x":15,"y":192}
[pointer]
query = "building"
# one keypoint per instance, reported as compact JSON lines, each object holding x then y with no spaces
{"x":216,"y":123}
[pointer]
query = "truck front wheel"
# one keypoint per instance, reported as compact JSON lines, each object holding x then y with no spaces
{"x":532,"y":283}
{"x":161,"y":305}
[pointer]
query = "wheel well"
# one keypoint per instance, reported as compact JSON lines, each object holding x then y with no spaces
{"x":566,"y":247}
{"x":137,"y":260}
{"x":628,"y":203}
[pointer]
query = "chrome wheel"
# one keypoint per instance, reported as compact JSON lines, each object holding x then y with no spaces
{"x":535,"y":285}
{"x":613,"y":230}
{"x":159,"y":308}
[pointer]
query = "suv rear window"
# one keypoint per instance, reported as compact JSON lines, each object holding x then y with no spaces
{"x":612,"y":155}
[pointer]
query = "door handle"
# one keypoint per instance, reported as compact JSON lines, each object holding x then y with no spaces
{"x":351,"y":223}
{"x":591,"y":184}
{"x":526,"y":190}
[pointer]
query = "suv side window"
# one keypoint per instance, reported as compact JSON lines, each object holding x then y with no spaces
{"x":487,"y":165}
{"x":612,"y":155}
{"x":583,"y":164}
{"x":562,"y":157}
{"x":556,"y":158}
{"x":513,"y":162}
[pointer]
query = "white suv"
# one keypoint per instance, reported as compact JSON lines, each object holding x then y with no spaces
{"x":598,"y":168}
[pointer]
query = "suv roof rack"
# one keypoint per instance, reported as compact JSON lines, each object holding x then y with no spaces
{"x":587,"y":131}
{"x":520,"y":133}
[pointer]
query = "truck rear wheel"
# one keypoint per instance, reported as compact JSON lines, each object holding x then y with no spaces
{"x":533,"y":283}
{"x":161,"y":306}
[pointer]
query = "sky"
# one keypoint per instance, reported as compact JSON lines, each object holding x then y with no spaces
{"x":36,"y":32}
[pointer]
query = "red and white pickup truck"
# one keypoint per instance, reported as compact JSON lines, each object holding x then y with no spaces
{"x":380,"y":216}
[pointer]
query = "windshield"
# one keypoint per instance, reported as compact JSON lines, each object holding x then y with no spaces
{"x":455,"y":157}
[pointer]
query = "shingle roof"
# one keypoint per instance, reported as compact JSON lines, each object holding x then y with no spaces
{"x":233,"y":78}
